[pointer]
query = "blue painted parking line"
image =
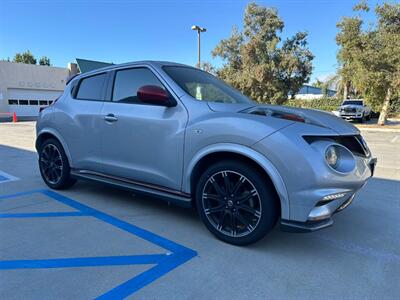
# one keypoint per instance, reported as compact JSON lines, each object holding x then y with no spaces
{"x":44,"y":215}
{"x":20,"y":194}
{"x":5,"y":177}
{"x":163,"y":262}
{"x":82,"y":262}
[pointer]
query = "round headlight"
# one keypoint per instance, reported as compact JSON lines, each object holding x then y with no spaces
{"x":331,"y":156}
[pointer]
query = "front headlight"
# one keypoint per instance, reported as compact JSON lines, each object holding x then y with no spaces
{"x":331,"y":156}
{"x":340,"y":158}
{"x":336,"y":156}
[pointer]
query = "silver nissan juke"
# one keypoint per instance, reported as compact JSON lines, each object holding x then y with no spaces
{"x":180,"y":134}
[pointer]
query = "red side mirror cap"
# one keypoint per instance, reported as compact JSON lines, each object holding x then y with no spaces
{"x":153,"y":94}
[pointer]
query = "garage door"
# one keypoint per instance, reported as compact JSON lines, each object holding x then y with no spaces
{"x":26,"y":102}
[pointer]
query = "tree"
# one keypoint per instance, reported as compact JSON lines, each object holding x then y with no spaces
{"x":370,"y":58}
{"x":318,"y":84}
{"x":259,"y":63}
{"x":44,"y":61}
{"x":208,"y":67}
{"x":25,"y":57}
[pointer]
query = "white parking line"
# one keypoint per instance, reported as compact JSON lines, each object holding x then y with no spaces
{"x":394,"y":139}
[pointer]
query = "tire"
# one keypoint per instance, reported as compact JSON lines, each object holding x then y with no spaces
{"x":361,"y":120}
{"x":54,"y":166}
{"x":368,"y":117}
{"x":243,"y":221}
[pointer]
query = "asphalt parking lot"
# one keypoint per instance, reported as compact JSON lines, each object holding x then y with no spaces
{"x":94,"y":240}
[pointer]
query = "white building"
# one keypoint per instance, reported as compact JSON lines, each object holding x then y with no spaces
{"x":24,"y":88}
{"x":308,"y":92}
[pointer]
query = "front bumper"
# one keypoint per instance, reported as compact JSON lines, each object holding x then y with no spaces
{"x":321,"y":221}
{"x":321,"y":215}
{"x":308,"y":179}
{"x":350,"y":116}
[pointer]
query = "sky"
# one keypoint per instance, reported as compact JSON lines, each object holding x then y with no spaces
{"x":121,"y":30}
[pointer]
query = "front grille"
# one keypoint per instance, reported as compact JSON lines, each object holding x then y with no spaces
{"x":355,"y":143}
{"x":348,"y":110}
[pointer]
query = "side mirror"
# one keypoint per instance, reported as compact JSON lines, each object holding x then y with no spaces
{"x":152,"y":94}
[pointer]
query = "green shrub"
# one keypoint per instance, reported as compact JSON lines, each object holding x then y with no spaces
{"x":328,"y":104}
{"x":331,"y":104}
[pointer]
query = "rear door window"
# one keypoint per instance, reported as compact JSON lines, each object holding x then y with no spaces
{"x":91,"y":88}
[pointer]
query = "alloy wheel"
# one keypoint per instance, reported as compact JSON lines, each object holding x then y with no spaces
{"x":51,"y":163}
{"x":231,"y":203}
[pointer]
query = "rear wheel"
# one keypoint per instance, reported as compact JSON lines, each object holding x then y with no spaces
{"x":54,"y":166}
{"x":236,"y":203}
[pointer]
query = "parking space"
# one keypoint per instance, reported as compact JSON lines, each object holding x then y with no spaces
{"x":96,"y":241}
{"x":41,"y":231}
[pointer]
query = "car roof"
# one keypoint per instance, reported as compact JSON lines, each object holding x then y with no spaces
{"x":153,"y":63}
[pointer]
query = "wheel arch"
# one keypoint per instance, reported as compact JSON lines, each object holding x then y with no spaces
{"x":50,"y":133}
{"x":217,"y":152}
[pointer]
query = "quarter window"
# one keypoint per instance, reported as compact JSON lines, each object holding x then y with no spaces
{"x":127,"y":82}
{"x":91,"y":88}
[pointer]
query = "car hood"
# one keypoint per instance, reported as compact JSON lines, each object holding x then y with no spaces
{"x":316,"y":117}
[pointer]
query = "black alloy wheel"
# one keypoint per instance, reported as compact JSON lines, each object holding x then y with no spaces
{"x":54,"y":166}
{"x":236,"y":203}
{"x":51,"y":163}
{"x":231,"y":203}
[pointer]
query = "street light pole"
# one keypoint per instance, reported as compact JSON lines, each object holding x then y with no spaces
{"x":198,"y":49}
{"x":199,"y":30}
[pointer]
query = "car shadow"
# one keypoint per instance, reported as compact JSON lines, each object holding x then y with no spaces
{"x":365,"y":228}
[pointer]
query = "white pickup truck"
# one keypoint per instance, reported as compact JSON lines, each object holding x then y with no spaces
{"x":354,"y":109}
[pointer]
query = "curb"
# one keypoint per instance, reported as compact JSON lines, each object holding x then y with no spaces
{"x":379,"y":129}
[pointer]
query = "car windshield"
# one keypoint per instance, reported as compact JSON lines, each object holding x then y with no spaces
{"x":204,"y":86}
{"x":352,"y":102}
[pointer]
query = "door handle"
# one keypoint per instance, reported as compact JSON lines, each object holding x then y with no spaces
{"x":110,"y":118}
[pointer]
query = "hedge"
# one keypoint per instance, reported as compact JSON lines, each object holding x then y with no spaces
{"x":332,"y":104}
{"x":328,"y":104}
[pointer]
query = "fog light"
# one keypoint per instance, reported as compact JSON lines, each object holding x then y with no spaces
{"x":331,"y":156}
{"x":333,"y":196}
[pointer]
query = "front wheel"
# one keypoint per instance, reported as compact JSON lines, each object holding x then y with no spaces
{"x":236,"y":202}
{"x":54,"y":166}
